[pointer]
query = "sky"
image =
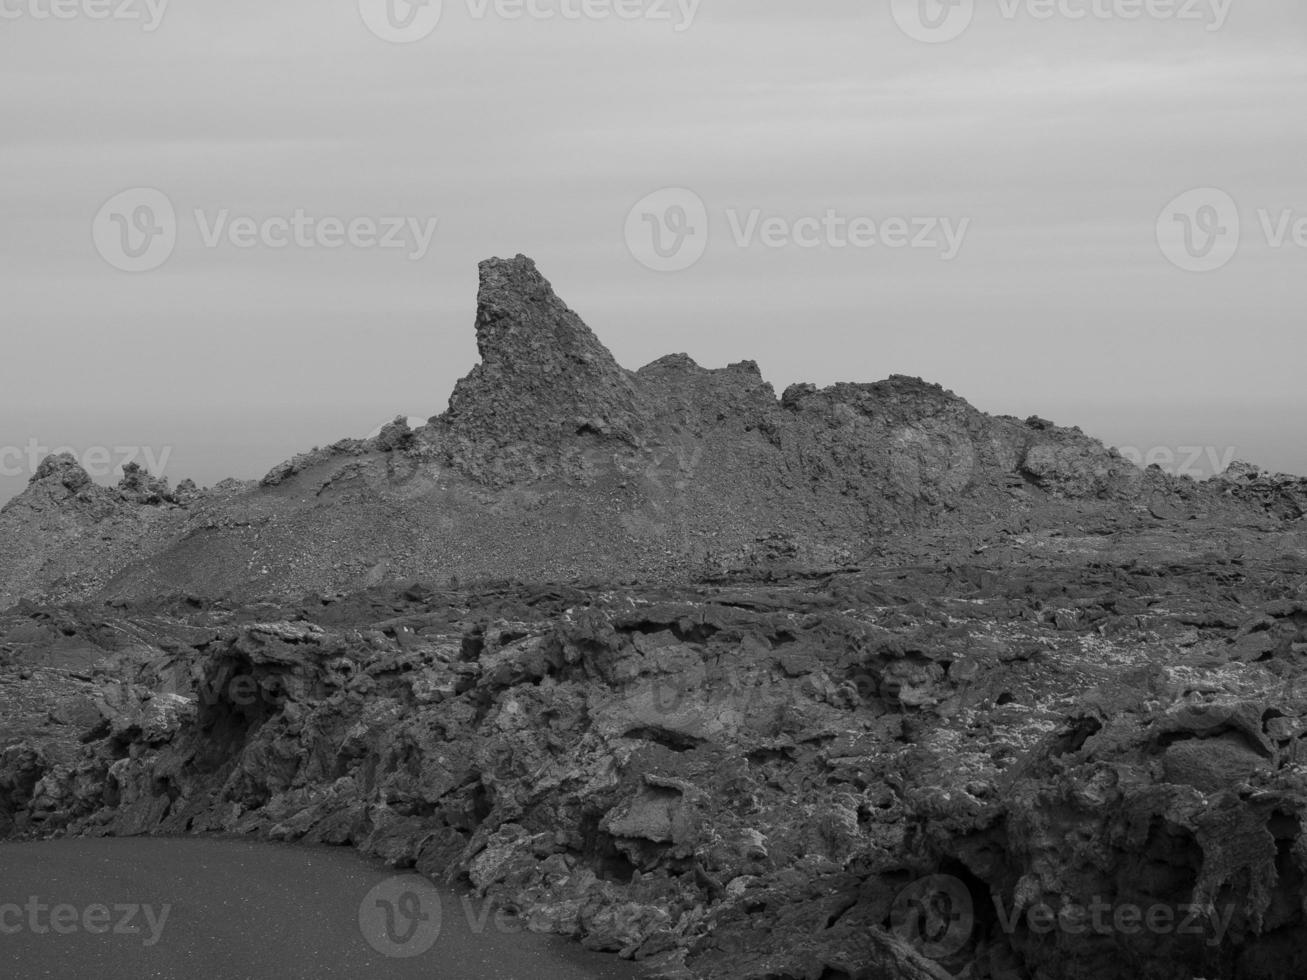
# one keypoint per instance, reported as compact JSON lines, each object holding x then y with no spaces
{"x":233,"y":231}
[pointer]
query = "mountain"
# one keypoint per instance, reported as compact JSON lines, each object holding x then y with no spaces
{"x":553,"y":462}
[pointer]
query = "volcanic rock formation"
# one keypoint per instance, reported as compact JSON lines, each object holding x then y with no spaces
{"x":554,"y":462}
{"x":863,"y":683}
{"x":900,"y":772}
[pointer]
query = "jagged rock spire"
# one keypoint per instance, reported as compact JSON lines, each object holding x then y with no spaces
{"x":63,"y":469}
{"x":543,"y":374}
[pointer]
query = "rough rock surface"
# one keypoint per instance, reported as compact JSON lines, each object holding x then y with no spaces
{"x":543,"y":380}
{"x":854,"y":683}
{"x":66,"y":536}
{"x":557,"y":463}
{"x":762,"y":778}
{"x":1280,"y":494}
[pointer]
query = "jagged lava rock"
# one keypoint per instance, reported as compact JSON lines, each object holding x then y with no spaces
{"x":65,"y":536}
{"x":554,"y":462}
{"x":544,"y":377}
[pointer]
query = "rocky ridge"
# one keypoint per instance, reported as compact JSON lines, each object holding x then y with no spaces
{"x":555,"y":462}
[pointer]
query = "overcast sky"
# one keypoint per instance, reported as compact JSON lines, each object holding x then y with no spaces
{"x":857,"y":188}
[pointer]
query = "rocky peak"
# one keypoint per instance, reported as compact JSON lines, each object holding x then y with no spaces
{"x":1240,"y":472}
{"x":139,"y":486}
{"x":1280,"y":494}
{"x":543,"y":374}
{"x":63,"y":470}
{"x":61,"y":486}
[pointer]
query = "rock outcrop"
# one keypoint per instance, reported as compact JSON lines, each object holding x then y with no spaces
{"x":1044,"y":762}
{"x":1280,"y":494}
{"x":65,"y":536}
{"x":555,"y":462}
{"x":544,"y":380}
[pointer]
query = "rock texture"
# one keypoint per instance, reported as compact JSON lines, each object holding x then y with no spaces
{"x":754,"y":779}
{"x":557,"y":463}
{"x":851,"y":683}
{"x":544,"y":379}
{"x":1280,"y":494}
{"x":66,"y":536}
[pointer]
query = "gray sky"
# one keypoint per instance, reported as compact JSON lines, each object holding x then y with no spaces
{"x":1051,"y":147}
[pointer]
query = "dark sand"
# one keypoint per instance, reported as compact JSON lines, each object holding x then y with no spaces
{"x":240,"y":910}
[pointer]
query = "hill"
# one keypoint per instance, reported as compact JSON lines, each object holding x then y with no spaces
{"x":553,"y":462}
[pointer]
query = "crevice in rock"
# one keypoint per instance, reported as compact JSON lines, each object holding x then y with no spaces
{"x":676,"y":741}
